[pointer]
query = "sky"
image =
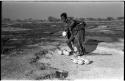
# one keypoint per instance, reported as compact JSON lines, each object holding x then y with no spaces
{"x":42,"y":10}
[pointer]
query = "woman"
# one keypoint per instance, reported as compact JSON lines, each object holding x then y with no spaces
{"x":75,"y":34}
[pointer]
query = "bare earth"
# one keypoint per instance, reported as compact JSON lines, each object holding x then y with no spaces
{"x":106,"y":63}
{"x":107,"y":60}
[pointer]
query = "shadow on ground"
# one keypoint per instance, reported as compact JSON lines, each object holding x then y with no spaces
{"x":91,"y":45}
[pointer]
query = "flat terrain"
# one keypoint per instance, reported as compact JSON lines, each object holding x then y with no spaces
{"x":28,"y":52}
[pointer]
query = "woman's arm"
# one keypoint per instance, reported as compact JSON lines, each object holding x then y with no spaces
{"x":70,"y":38}
{"x":71,"y":25}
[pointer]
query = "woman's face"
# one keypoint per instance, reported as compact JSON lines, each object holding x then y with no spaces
{"x":63,"y":18}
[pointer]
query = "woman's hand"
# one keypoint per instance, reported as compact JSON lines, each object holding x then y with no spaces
{"x":70,"y":39}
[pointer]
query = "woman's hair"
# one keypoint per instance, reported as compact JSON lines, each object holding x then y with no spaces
{"x":64,"y":15}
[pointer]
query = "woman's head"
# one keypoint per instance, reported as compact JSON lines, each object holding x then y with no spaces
{"x":63,"y":16}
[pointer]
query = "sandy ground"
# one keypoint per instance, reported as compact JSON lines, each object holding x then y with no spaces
{"x":14,"y":29}
{"x":107,"y":61}
{"x":106,"y":56}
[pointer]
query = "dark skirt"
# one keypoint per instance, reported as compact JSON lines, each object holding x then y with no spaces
{"x":79,"y":40}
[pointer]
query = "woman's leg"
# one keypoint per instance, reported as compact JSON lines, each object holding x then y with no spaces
{"x":82,"y":41}
{"x":70,"y":43}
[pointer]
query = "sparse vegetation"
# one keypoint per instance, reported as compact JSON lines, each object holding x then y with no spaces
{"x":43,"y":32}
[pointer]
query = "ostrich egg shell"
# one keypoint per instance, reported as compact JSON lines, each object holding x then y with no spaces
{"x":59,"y":52}
{"x":64,"y":33}
{"x":86,"y":61}
{"x":75,"y":49}
{"x":65,"y":52}
{"x":80,"y":62}
{"x":75,"y":60}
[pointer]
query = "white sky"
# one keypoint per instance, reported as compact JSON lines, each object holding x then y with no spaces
{"x":40,"y":10}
